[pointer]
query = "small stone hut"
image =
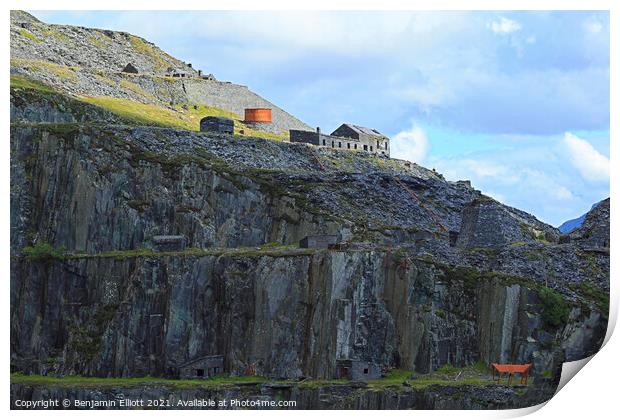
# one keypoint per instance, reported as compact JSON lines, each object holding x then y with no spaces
{"x":318,"y":241}
{"x":357,"y":370}
{"x":130,"y":68}
{"x":165,"y":243}
{"x":217,"y":125}
{"x":202,"y":367}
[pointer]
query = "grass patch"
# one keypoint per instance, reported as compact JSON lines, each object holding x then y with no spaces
{"x":270,"y":250}
{"x":21,"y":82}
{"x":149,"y":50}
{"x":555,"y":310}
{"x":60,"y":71}
{"x":448,"y":369}
{"x":394,"y":378}
{"x":99,"y":40}
{"x":397,"y":377}
{"x":185,"y":117}
{"x":92,"y":382}
{"x":141,"y":114}
{"x":30,"y":36}
{"x":53,"y":32}
{"x":42,"y":251}
{"x":469,"y":276}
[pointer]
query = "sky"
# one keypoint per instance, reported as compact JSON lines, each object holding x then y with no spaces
{"x":516,"y":102}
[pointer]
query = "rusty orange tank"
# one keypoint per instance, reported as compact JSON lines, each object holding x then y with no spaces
{"x":261,"y":115}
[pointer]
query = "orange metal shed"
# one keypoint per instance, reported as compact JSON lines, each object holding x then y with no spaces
{"x":257,"y":115}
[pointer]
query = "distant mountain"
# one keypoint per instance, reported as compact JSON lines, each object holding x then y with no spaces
{"x":573,"y":224}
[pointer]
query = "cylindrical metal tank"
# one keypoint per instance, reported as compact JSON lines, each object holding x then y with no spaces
{"x":258,"y":115}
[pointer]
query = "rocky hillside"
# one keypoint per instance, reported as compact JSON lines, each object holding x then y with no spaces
{"x":429,"y":275}
{"x":87,"y":63}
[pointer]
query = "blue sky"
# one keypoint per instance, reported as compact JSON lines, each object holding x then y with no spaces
{"x":516,"y":102}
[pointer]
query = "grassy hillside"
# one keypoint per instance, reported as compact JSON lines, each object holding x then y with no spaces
{"x":183,"y":116}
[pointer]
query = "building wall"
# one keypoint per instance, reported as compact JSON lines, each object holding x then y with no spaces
{"x":341,"y":142}
{"x":372,"y":144}
{"x":303,"y":136}
{"x":361,"y":371}
{"x":217,"y":125}
{"x":318,"y":241}
{"x":209,"y":367}
{"x":356,"y":370}
{"x":169,"y":243}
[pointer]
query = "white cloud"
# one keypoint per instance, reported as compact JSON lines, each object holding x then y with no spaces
{"x":593,"y":26}
{"x":505,"y":26}
{"x":410,"y":144}
{"x":591,"y":164}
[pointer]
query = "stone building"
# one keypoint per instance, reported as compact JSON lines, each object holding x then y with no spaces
{"x":217,"y":125}
{"x":318,"y":241}
{"x":176,"y":72}
{"x":202,"y":367}
{"x":370,"y":139}
{"x":166,"y":243}
{"x":130,"y":68}
{"x":348,"y":137}
{"x":357,"y":370}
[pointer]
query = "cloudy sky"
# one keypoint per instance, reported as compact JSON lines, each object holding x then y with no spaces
{"x":516,"y":102}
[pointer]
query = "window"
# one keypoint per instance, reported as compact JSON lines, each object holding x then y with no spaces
{"x":200,"y":373}
{"x":339,"y":144}
{"x":355,"y":146}
{"x":348,"y":145}
{"x":366,"y":147}
{"x":365,"y":371}
{"x":215,"y":369}
{"x":332,"y":143}
{"x":385,"y":145}
{"x":377,"y":144}
{"x":371,"y":148}
{"x":323,"y":142}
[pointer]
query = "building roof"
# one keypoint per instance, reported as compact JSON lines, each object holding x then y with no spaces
{"x":130,"y":68}
{"x":218,"y":119}
{"x":364,"y":130}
